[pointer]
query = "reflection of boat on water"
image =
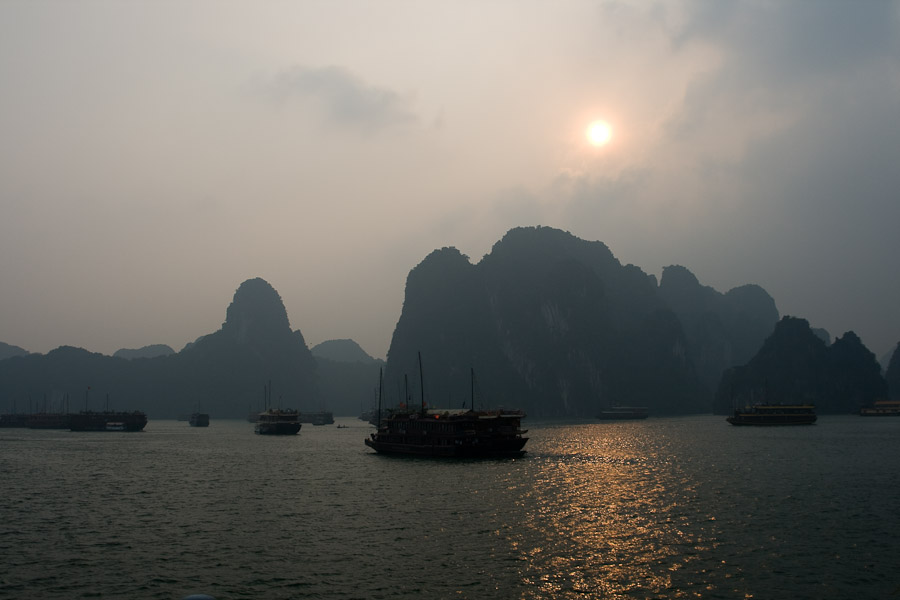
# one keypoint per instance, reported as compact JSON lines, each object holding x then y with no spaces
{"x":882,"y":408}
{"x":623,"y":413}
{"x":276,"y":421}
{"x":449,"y":432}
{"x":107,"y":421}
{"x":199,"y":419}
{"x":317,"y":418}
{"x":774,"y":414}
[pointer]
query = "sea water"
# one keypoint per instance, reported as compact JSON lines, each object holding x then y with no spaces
{"x":664,"y":508}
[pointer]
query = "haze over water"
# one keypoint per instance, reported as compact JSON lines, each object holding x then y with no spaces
{"x":665,"y":508}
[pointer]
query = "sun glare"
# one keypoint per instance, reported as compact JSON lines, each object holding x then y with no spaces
{"x":599,"y":133}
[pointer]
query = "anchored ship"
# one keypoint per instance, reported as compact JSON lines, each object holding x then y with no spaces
{"x":448,"y":432}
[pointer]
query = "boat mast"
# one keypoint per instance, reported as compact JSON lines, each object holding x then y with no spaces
{"x":421,"y":383}
{"x":472,"y":407}
{"x":380,"y":394}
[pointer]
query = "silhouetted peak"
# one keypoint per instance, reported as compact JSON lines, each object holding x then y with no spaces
{"x":444,"y":258}
{"x":540,"y":244}
{"x":256,"y":312}
{"x":151,"y":351}
{"x":341,"y":351}
{"x":794,"y":335}
{"x":753,"y":299}
{"x":792,"y":328}
{"x":439,"y":272}
{"x":849,"y":339}
{"x":8,"y":351}
{"x":678,"y":278}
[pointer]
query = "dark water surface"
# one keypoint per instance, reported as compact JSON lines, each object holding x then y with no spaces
{"x":664,"y":508}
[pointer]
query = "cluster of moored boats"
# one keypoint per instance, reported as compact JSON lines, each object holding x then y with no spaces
{"x":426,"y":431}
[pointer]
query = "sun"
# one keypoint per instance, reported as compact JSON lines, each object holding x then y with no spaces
{"x":599,"y":133}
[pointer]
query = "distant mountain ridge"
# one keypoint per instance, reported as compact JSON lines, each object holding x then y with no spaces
{"x":225,"y":371}
{"x":547,"y":322}
{"x":151,"y":351}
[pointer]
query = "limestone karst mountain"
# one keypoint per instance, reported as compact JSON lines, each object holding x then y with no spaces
{"x":795,"y":365}
{"x":549,"y":323}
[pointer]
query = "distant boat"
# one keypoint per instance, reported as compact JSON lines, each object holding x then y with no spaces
{"x":317,"y":418}
{"x":276,"y":421}
{"x":774,"y":414}
{"x":199,"y":419}
{"x":623,"y":413}
{"x":881,"y":408}
{"x":88,"y":420}
{"x":449,"y":433}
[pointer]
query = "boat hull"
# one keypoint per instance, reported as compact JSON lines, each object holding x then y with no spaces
{"x":624,"y":414}
{"x":774,"y":415}
{"x":881,"y":408}
{"x":276,"y":421}
{"x":107,"y":421}
{"x":450,"y":434}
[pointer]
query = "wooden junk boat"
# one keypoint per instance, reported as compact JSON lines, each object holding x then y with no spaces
{"x":277,"y":421}
{"x":448,"y":432}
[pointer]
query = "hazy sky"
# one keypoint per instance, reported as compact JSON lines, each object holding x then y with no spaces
{"x":154,"y":155}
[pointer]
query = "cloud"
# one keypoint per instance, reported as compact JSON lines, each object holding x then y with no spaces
{"x":344,"y":98}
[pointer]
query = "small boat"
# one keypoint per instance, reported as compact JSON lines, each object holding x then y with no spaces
{"x":774,"y":414}
{"x":277,"y":421}
{"x":199,"y":419}
{"x":115,"y":426}
{"x":449,"y":433}
{"x":623,"y":413}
